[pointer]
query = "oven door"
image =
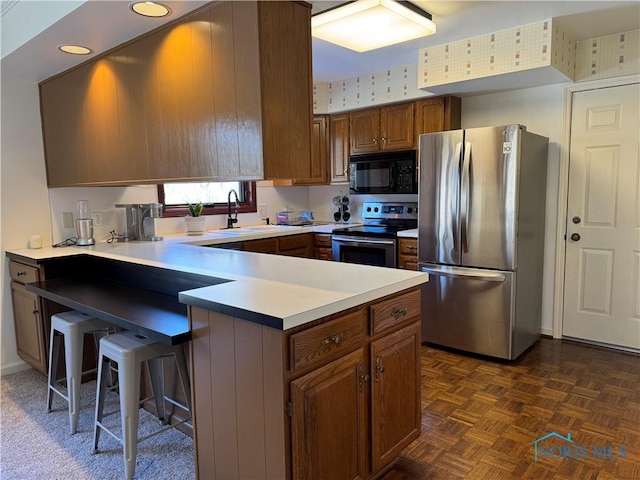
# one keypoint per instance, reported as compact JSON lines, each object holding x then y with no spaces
{"x":364,"y":250}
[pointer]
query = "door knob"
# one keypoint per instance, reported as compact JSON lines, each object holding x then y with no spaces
{"x":575,"y":237}
{"x":576,"y":220}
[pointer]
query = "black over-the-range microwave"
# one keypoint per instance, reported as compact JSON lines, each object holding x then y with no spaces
{"x":386,"y":172}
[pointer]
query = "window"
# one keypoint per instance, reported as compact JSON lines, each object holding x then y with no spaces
{"x":213,"y":195}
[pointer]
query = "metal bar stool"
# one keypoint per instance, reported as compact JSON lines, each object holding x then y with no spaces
{"x":129,"y":350}
{"x":72,"y":326}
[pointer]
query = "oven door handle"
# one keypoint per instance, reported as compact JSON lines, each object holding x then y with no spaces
{"x":353,"y":242}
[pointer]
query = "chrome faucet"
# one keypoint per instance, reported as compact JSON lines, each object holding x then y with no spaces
{"x":231,"y":221}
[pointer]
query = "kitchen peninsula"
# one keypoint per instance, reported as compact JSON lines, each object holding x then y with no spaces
{"x":301,"y":368}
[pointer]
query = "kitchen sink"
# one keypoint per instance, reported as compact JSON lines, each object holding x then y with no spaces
{"x":255,"y":229}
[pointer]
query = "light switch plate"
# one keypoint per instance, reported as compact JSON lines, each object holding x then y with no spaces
{"x":67,"y":220}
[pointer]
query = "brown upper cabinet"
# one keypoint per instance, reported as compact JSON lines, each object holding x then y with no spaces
{"x":382,"y":129}
{"x":221,"y":94}
{"x":339,"y":147}
{"x":319,"y":166}
{"x":437,"y":114}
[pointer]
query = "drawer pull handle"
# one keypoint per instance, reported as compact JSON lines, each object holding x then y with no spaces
{"x":412,"y":247}
{"x":19,"y":274}
{"x":336,"y":339}
{"x":35,"y":311}
{"x":401,"y":312}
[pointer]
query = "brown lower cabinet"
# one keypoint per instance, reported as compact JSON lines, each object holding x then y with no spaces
{"x":31,"y":316}
{"x":322,"y":244}
{"x":338,"y":398}
{"x":289,"y":245}
{"x":408,"y":253}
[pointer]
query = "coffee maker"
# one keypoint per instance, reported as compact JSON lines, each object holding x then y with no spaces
{"x":84,"y":224}
{"x":135,"y":221}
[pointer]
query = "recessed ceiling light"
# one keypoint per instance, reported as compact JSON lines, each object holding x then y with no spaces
{"x":150,"y":9}
{"x":75,"y":49}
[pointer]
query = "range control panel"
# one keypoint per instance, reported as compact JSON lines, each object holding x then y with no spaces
{"x":390,"y":210}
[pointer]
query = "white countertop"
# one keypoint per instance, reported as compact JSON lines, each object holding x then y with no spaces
{"x":291,"y":290}
{"x":413,"y":233}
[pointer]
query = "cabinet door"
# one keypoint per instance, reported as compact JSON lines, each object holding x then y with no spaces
{"x":319,"y":152}
{"x":364,"y":130}
{"x":437,"y":115}
{"x":395,"y":394}
{"x":396,"y":127}
{"x":286,"y":85}
{"x":328,"y":432}
{"x":29,"y":329}
{"x":339,"y":147}
{"x":267,"y":245}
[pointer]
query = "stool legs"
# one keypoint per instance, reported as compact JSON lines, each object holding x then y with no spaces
{"x":156,"y":375}
{"x":54,"y":349}
{"x":103,"y":362}
{"x":129,"y":386}
{"x":129,"y":351}
{"x":73,"y":359}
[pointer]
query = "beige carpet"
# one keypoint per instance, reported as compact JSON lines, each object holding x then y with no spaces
{"x":37,"y":445}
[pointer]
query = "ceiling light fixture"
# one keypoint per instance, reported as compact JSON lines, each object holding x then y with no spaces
{"x":75,"y":49}
{"x":369,"y":24}
{"x":150,"y":9}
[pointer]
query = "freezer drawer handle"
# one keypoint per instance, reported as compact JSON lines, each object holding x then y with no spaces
{"x":332,"y":339}
{"x":401,"y":312}
{"x":487,"y":277}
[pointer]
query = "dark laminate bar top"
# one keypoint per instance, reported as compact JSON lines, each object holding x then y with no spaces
{"x":152,"y":314}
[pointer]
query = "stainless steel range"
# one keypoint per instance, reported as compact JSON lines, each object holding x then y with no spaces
{"x":375,"y":242}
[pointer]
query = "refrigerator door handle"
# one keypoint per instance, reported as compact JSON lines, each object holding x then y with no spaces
{"x":455,"y":206}
{"x":465,"y":197}
{"x":458,"y":273}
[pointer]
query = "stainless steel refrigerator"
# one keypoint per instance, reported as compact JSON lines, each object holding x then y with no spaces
{"x":480,"y":238}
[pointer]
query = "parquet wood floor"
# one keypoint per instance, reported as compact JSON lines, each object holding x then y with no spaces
{"x":480,"y":417}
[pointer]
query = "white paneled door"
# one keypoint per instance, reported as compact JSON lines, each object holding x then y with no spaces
{"x":602,"y":289}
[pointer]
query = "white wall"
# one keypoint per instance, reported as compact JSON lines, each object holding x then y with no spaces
{"x":24,"y":205}
{"x":540,"y":109}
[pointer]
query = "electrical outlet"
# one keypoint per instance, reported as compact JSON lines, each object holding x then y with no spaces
{"x":263,"y":211}
{"x":67,"y":220}
{"x":97,"y":218}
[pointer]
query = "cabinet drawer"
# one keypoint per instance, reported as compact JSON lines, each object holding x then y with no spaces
{"x":22,"y":273}
{"x":294,"y":242}
{"x":327,"y":341}
{"x":388,"y":313}
{"x":322,"y":240}
{"x":408,"y":246}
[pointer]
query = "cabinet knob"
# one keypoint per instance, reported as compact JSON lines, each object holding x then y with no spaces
{"x":379,"y":368}
{"x":374,"y":140}
{"x":362,"y":378}
{"x":384,"y":139}
{"x":19,"y":274}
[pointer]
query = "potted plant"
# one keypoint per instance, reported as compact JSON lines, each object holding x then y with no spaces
{"x":195,"y":223}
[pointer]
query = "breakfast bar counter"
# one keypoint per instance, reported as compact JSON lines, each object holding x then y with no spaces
{"x":278,"y":291}
{"x":293,"y":360}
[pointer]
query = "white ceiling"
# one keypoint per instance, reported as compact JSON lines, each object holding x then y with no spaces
{"x":32,"y":29}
